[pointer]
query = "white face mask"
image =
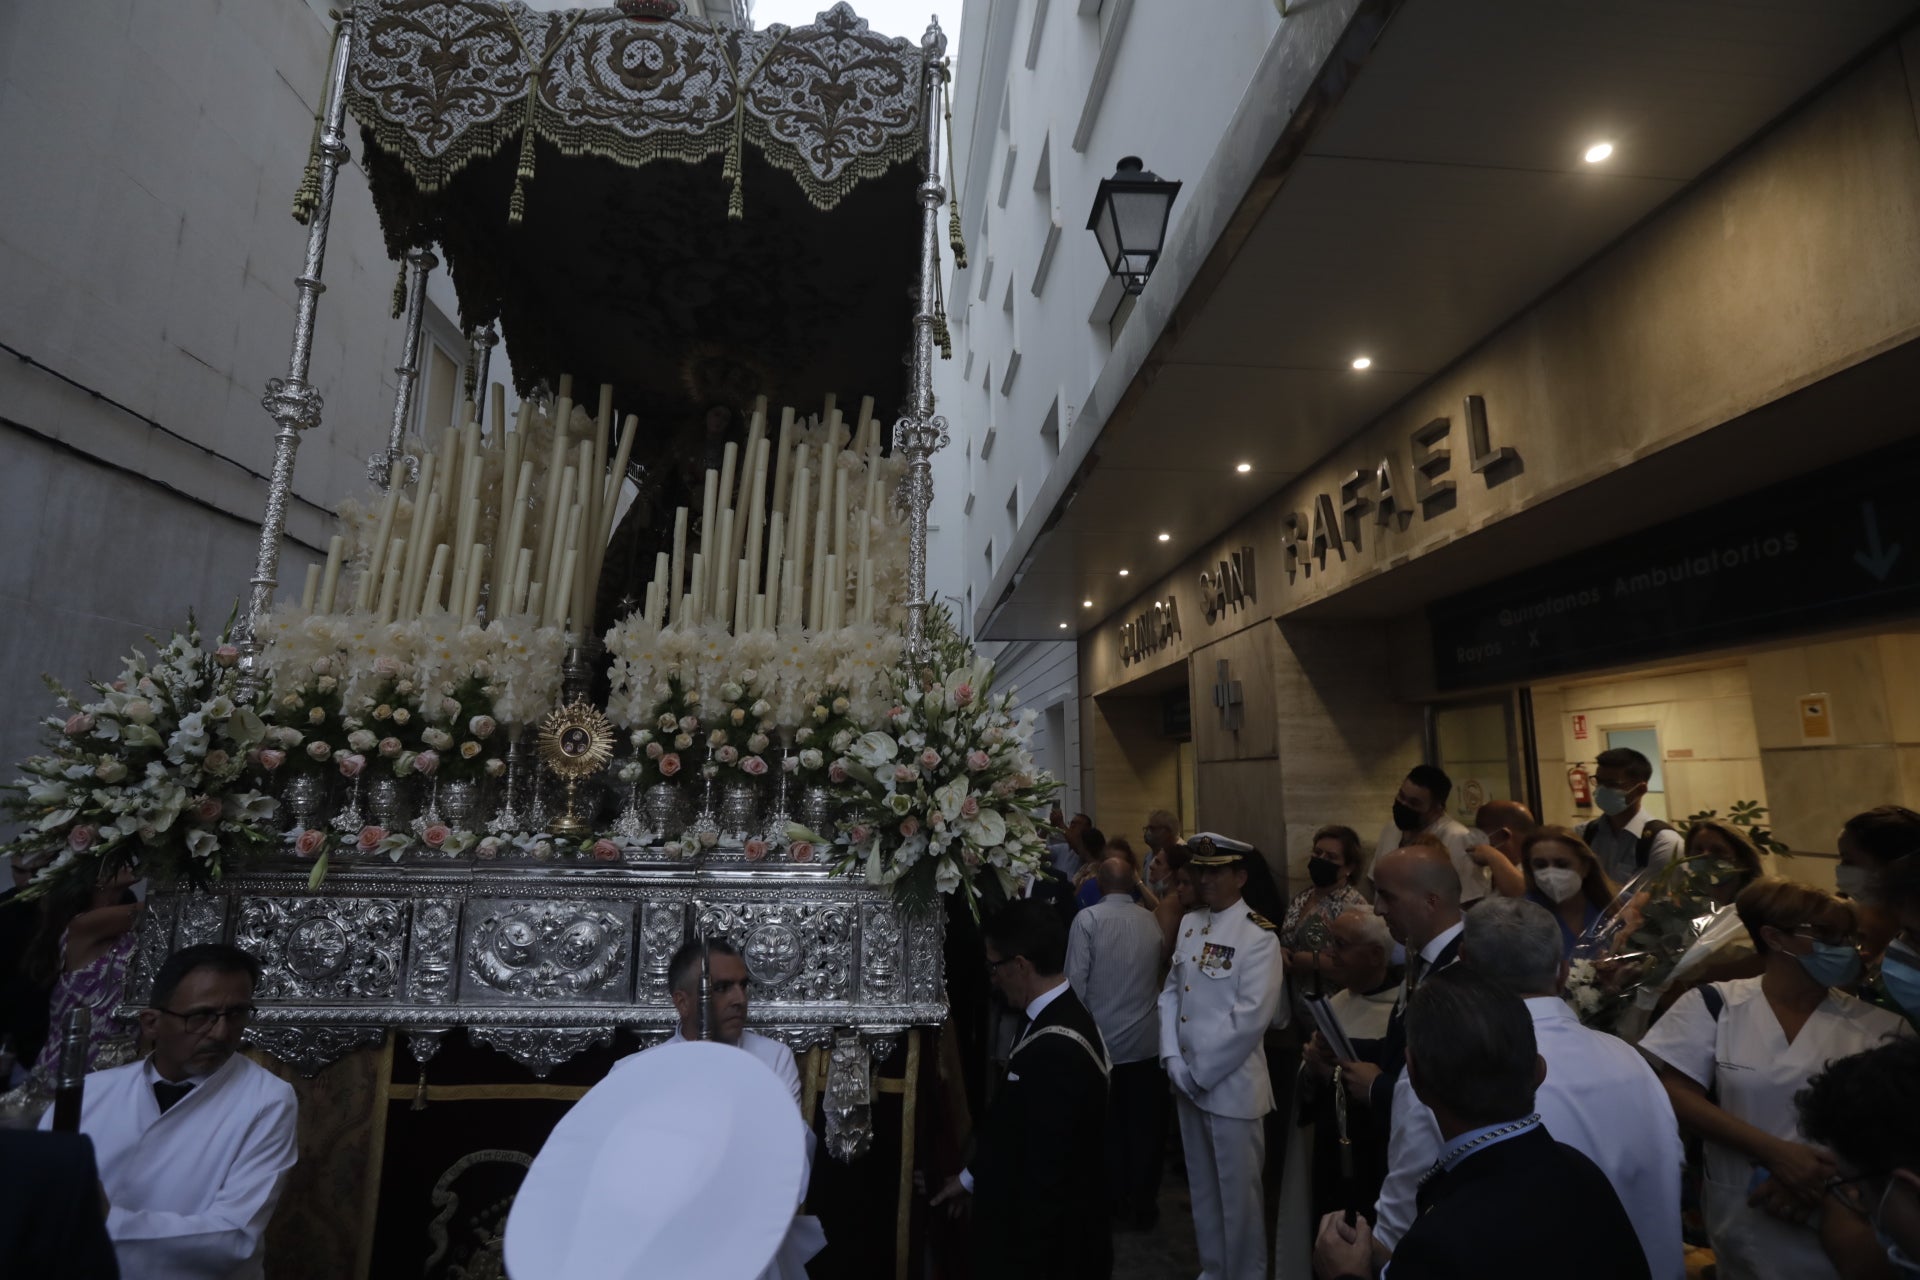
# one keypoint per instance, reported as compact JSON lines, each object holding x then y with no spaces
{"x":1855,"y":882}
{"x":1611,"y":800}
{"x":1558,"y":883}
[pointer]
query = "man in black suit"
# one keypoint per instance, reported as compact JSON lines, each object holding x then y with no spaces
{"x":1505,"y":1199}
{"x":1417,"y":892}
{"x":1038,"y":1167}
{"x":53,"y":1214}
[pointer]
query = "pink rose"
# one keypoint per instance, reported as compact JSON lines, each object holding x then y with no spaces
{"x":272,"y":758}
{"x":370,"y":838}
{"x":319,"y":750}
{"x":755,"y":849}
{"x":754,"y":766}
{"x":970,"y":807}
{"x":389,"y":747}
{"x":971,"y":857}
{"x":726,"y":755}
{"x":978,"y":760}
{"x":427,"y":763}
{"x":898,"y":713}
{"x":206,"y":809}
{"x":78,"y":724}
{"x":669,"y":764}
{"x":655,"y":751}
{"x":350,"y":764}
{"x":929,"y":759}
{"x":436,"y":835}
{"x":909,"y":827}
{"x":962,"y":694}
{"x":310,"y":843}
{"x":81,"y":838}
{"x":905,"y":773}
{"x":119,"y":686}
{"x":859,"y":834}
{"x":606,"y":851}
{"x":837,"y":772}
{"x":801,"y":851}
{"x":481,"y":726}
{"x":226,"y":655}
{"x":688,"y":724}
{"x":386,"y":666}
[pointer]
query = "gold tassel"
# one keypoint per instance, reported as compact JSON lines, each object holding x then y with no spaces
{"x":941,"y":335}
{"x":306,"y":199}
{"x":730,"y":169}
{"x":954,"y":237}
{"x":420,"y":1091}
{"x":400,"y":291}
{"x":523,"y":173}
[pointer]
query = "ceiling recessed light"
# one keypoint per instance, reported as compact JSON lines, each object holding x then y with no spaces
{"x":1166,"y":537}
{"x":1599,"y":151}
{"x":1244,"y":467}
{"x":1063,"y":626}
{"x":1363,"y":362}
{"x":1123,"y":573}
{"x":1086,"y":604}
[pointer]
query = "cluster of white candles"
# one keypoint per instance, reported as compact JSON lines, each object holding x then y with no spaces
{"x":788,"y":557}
{"x":472,"y":534}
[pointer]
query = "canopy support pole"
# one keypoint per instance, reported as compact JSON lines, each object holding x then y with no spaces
{"x":292,"y":401}
{"x":405,"y":374}
{"x":920,"y":432}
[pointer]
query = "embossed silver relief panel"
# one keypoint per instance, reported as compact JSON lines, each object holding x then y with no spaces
{"x":555,"y":949}
{"x":203,"y":918}
{"x":433,"y":963}
{"x":796,"y":951}
{"x":324,"y":948}
{"x":152,"y":945}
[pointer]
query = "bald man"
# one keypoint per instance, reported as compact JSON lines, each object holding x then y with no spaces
{"x":1505,"y":823}
{"x":1417,"y":892}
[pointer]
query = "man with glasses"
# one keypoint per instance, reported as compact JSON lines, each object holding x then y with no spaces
{"x":1862,"y":1108}
{"x":194,"y":1141}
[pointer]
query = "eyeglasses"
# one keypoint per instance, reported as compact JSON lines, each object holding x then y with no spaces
{"x":1833,"y":937}
{"x":199,"y":1020}
{"x":1852,"y":1192}
{"x":993,"y":966}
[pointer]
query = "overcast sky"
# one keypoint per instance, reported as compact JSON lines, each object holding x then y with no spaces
{"x":889,"y":17}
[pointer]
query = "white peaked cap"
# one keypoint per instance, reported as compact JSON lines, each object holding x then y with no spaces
{"x":685,"y":1162}
{"x":1221,"y":842}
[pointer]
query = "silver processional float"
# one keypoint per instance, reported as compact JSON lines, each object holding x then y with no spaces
{"x":569,"y":691}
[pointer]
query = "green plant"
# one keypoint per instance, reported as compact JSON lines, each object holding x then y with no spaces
{"x":1748,"y":815}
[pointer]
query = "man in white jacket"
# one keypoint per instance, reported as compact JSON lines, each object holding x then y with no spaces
{"x":194,"y":1141}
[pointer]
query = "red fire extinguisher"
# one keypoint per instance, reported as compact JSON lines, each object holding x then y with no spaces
{"x":1580,"y":782}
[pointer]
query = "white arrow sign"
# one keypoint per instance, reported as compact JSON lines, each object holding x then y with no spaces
{"x":1875,"y":559}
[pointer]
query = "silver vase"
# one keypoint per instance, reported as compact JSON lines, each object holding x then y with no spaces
{"x":304,"y":795}
{"x":665,"y":813}
{"x":348,"y":819}
{"x":815,"y":811}
{"x":460,"y":804}
{"x":387,"y":803}
{"x":739,"y":806}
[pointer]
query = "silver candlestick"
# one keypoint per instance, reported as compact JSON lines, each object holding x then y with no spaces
{"x":776,"y":828}
{"x":509,"y":820}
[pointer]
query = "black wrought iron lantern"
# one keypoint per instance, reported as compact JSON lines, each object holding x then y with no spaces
{"x":1129,"y":219}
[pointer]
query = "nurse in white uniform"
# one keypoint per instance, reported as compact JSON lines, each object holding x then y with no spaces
{"x":1756,"y":1042}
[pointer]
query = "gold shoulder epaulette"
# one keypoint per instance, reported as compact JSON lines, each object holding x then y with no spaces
{"x":1261,"y":920}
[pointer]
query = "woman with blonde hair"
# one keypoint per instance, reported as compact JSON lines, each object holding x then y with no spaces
{"x":1565,"y":877}
{"x":1753,"y":1043}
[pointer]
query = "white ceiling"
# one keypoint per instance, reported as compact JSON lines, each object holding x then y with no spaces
{"x":1444,"y":193}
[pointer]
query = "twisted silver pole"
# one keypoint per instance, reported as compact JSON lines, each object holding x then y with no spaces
{"x":920,"y":432}
{"x":480,"y":345}
{"x":406,"y":374}
{"x":292,"y":401}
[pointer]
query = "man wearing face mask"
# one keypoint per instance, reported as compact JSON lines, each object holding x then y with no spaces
{"x":1420,"y":808}
{"x":1626,"y":838}
{"x":1505,"y":823}
{"x":1755,"y":1043}
{"x":1862,"y":1107}
{"x":1898,"y":889}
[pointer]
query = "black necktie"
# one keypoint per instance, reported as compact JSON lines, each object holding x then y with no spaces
{"x":166,"y":1093}
{"x":1416,"y":970}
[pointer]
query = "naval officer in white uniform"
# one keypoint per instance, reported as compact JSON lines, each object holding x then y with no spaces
{"x":193,"y":1141}
{"x":1222,"y":993}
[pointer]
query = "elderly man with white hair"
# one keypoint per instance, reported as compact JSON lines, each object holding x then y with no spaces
{"x":1360,"y":958}
{"x":1599,"y":1095}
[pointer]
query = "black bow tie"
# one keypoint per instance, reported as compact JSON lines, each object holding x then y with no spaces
{"x":166,"y":1093}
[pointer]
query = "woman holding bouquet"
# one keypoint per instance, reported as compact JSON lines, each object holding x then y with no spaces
{"x":1755,"y":1043}
{"x":1565,"y":877}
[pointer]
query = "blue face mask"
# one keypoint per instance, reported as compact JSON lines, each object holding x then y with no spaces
{"x":1832,"y":964}
{"x":1902,"y":1264}
{"x":1900,"y":972}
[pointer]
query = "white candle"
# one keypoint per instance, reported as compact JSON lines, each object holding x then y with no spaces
{"x":433,"y":598}
{"x":376,"y":554}
{"x":866,"y":423}
{"x":782,"y":463}
{"x":776,"y":533}
{"x":760,"y":612}
{"x":310,"y":592}
{"x":517,"y":593}
{"x":410,"y":581}
{"x":729,"y":460}
{"x":866,"y":589}
{"x":741,"y":597}
{"x":708,"y":543}
{"x":685,"y":610}
{"x":697,"y":584}
{"x":756,"y":514}
{"x":561,"y":604}
{"x":470,"y":602}
{"x":582,"y":595}
{"x":331,"y":577}
{"x":789,"y":597}
{"x":646,"y":607}
{"x":536,"y":593}
{"x":390,"y":582}
{"x":840,"y":513}
{"x":553,"y":491}
{"x":506,"y":552}
{"x":497,"y":398}
{"x":817,"y":580}
{"x":678,"y":576}
{"x":829,"y":592}
{"x":797,"y":544}
{"x":557,"y":557}
{"x":723,"y":566}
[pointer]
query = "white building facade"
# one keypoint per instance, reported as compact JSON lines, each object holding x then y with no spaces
{"x":1048,"y":96}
